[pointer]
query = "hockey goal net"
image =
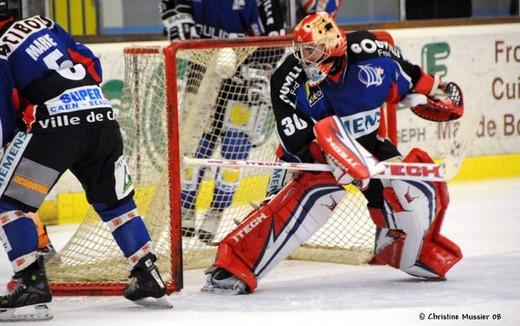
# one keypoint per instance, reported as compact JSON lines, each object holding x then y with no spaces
{"x":205,"y":99}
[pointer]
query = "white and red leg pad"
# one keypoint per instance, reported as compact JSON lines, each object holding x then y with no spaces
{"x":410,"y":237}
{"x":273,"y":231}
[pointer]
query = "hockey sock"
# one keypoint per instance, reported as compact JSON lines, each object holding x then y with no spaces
{"x":19,"y":236}
{"x":126,"y":225}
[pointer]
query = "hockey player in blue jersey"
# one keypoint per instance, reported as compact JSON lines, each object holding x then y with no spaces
{"x":191,"y":19}
{"x":326,"y":100}
{"x":68,"y":125}
{"x":7,"y":107}
{"x":247,"y":91}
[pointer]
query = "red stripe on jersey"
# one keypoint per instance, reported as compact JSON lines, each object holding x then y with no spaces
{"x":87,"y":62}
{"x":16,"y":99}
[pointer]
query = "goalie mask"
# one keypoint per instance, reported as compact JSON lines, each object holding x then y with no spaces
{"x":317,"y":42}
{"x":10,"y":9}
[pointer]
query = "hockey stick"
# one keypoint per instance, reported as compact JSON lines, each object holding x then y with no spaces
{"x":390,"y":170}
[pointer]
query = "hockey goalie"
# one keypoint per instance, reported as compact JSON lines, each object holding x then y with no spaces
{"x":327,"y":100}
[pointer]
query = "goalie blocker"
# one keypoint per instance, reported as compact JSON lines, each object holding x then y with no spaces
{"x":410,"y":220}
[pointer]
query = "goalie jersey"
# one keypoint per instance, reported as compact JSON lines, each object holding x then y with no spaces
{"x":374,"y":73}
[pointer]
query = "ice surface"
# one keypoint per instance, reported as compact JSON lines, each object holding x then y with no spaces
{"x":483,"y":218}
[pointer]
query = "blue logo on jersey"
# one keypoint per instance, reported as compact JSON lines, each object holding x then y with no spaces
{"x":81,"y":95}
{"x":371,"y":76}
{"x":81,"y":98}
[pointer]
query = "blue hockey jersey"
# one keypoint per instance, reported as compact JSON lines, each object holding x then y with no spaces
{"x":375,"y":72}
{"x":218,"y":18}
{"x":55,"y":73}
{"x":40,"y":52}
{"x":7,"y":105}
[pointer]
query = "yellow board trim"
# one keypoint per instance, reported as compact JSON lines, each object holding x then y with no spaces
{"x":90,"y":17}
{"x":489,"y":167}
{"x":61,"y":13}
{"x":72,"y":207}
{"x":76,"y":17}
{"x":83,"y":16}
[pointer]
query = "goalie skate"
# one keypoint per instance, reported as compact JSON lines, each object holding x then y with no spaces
{"x":220,"y":281}
{"x":147,"y":288}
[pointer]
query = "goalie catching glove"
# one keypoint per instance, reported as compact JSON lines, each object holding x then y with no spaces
{"x":435,"y":101}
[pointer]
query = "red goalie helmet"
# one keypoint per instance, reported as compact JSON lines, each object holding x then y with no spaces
{"x":316,"y":39}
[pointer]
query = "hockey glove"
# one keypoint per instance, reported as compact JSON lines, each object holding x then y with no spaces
{"x":435,"y":101}
{"x":181,"y":27}
{"x":338,"y":171}
{"x":349,"y":161}
{"x":445,"y":104}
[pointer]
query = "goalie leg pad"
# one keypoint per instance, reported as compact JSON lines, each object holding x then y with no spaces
{"x":128,"y":229}
{"x":19,"y":236}
{"x":411,"y":220}
{"x":272,"y":232}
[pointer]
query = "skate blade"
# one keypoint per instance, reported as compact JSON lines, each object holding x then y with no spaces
{"x":223,"y":291}
{"x":35,"y":312}
{"x":155,"y":303}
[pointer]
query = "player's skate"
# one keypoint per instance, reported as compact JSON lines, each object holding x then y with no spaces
{"x":28,"y":301}
{"x":209,"y":227}
{"x":147,"y":287}
{"x":220,"y":281}
{"x":188,"y":222}
{"x":48,"y":252}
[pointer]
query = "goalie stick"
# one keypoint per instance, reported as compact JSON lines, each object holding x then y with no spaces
{"x":384,"y":170}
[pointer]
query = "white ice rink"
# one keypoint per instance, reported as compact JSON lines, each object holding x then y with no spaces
{"x":483,"y":218}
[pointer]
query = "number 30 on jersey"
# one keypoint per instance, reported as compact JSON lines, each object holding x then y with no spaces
{"x":293,"y":123}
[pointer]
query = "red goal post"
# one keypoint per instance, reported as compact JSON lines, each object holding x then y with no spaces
{"x":154,"y":116}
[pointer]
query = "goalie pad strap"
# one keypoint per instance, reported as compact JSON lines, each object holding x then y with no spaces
{"x":269,"y":234}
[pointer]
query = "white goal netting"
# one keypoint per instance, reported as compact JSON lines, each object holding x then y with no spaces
{"x":224,"y":111}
